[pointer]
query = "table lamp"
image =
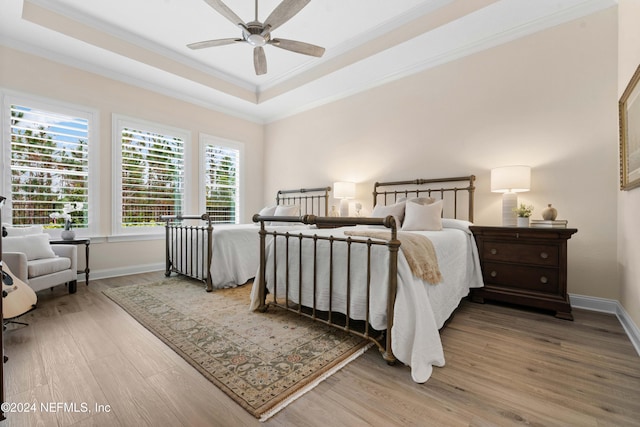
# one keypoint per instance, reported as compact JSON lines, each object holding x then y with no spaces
{"x":344,"y":191}
{"x":510,"y":180}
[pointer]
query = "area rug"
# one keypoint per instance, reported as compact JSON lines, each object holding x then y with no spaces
{"x":263,"y":361}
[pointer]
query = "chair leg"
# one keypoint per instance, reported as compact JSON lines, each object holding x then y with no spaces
{"x":15,"y":322}
{"x":73,"y":286}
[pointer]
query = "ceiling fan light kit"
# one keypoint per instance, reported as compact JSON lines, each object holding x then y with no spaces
{"x":258,"y":34}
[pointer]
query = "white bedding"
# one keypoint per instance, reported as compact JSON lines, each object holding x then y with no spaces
{"x":236,"y":252}
{"x":420,"y":309}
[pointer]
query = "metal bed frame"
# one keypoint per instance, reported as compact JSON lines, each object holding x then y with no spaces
{"x":444,"y":188}
{"x":189,"y":248}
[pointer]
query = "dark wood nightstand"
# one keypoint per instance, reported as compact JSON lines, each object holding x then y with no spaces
{"x":526,"y":266}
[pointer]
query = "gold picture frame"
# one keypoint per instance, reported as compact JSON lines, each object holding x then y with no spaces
{"x":629,"y":113}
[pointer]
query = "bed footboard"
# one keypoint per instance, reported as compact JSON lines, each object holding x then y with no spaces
{"x":339,"y":282}
{"x":188,"y":248}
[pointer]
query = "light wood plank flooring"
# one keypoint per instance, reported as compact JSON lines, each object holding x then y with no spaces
{"x":505,"y":366}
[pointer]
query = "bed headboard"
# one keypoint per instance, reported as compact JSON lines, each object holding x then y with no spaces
{"x":457,"y":193}
{"x":312,"y":201}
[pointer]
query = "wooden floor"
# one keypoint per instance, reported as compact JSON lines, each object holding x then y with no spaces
{"x":505,"y":366}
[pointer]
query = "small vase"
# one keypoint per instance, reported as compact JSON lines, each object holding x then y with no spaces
{"x":68,"y":234}
{"x":523,"y":221}
{"x":549,"y":213}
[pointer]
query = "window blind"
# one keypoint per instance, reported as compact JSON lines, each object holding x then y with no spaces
{"x":49,"y":165}
{"x":222,"y":183}
{"x":152,"y":176}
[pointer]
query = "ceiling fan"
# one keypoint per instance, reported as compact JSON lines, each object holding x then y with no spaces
{"x":258,"y":34}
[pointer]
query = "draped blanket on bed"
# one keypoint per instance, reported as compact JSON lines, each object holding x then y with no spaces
{"x":417,"y":249}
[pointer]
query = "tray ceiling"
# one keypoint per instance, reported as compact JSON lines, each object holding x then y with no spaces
{"x":368,"y":43}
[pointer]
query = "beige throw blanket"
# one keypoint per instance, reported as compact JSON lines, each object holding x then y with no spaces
{"x":417,"y":249}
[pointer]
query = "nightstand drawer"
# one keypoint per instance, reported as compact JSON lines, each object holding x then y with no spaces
{"x":545,"y":255}
{"x":520,"y":277}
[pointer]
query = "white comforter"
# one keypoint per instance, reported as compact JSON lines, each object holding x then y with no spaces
{"x":420,"y":309}
{"x":236,"y":252}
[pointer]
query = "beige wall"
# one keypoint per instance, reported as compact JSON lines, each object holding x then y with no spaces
{"x":629,"y":201}
{"x":547,"y":100}
{"x":544,"y":100}
{"x":36,"y":76}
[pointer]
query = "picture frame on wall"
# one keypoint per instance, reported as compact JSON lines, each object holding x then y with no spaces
{"x":629,"y":113}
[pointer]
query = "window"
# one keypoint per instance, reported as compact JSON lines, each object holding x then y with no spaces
{"x":47,"y":146}
{"x":149,"y":175}
{"x":221,"y":170}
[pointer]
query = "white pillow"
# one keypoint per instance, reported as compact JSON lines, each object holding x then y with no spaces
{"x":422,"y":200}
{"x":423,"y":217}
{"x":34,"y":246}
{"x":418,"y":200}
{"x":286,"y":210}
{"x":22,"y":231}
{"x":382,"y":211}
{"x":267,"y":211}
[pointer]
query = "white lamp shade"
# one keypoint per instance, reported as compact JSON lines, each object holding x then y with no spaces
{"x":511,"y":179}
{"x":344,"y":190}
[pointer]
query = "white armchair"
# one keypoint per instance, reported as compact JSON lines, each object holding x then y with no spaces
{"x":39,"y":264}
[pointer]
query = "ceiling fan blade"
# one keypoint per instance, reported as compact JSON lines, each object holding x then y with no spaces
{"x":224,"y":10}
{"x":298,"y":47}
{"x":259,"y":61}
{"x":284,"y":11}
{"x":212,"y":43}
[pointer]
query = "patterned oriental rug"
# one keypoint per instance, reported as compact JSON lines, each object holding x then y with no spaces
{"x":263,"y":361}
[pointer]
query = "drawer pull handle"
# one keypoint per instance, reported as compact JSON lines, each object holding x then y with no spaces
{"x":494,"y":273}
{"x":494,"y":251}
{"x":544,"y":255}
{"x":543,"y":279}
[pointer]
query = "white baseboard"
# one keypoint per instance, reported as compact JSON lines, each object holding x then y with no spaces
{"x":124,"y":271}
{"x":613,"y":307}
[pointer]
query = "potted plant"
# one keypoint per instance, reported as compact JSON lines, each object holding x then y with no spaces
{"x":523,"y":213}
{"x":67,"y":210}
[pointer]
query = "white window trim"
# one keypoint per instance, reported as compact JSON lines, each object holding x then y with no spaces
{"x":206,"y":140}
{"x":92,"y":115}
{"x":119,"y":121}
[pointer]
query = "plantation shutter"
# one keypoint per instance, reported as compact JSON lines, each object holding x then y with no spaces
{"x":222,"y":183}
{"x":49,"y":165}
{"x":152,"y":176}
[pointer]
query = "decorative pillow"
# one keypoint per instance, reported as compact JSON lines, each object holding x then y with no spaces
{"x":418,"y":200}
{"x":22,"y":231}
{"x":286,"y":210}
{"x":34,"y":246}
{"x":423,"y":217}
{"x":267,"y":211}
{"x":397,"y":210}
{"x":422,"y":200}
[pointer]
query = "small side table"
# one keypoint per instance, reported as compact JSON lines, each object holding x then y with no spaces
{"x":86,"y":243}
